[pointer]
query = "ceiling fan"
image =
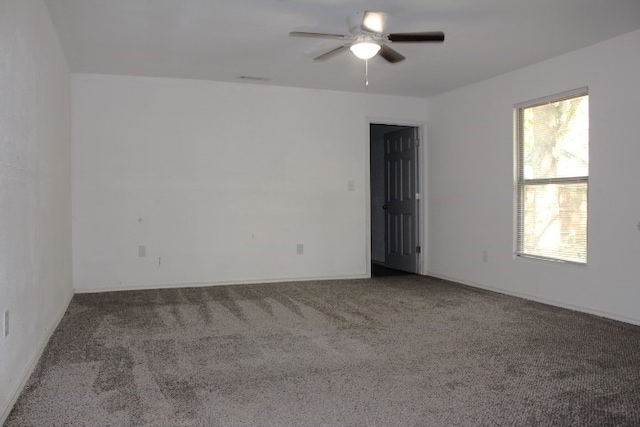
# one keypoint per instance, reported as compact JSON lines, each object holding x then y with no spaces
{"x":367,"y":38}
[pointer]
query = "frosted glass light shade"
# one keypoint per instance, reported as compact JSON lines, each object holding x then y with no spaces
{"x":365,"y":50}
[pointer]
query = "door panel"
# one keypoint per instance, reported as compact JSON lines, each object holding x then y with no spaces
{"x":401,"y":172}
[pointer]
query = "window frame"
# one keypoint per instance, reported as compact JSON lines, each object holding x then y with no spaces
{"x":521,"y":182}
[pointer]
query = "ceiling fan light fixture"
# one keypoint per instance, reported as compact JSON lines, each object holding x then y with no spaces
{"x":365,"y":50}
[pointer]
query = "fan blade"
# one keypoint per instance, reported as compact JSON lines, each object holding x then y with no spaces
{"x":433,"y":36}
{"x":389,"y":54}
{"x":374,"y":21}
{"x":316,"y":35}
{"x":331,"y":53}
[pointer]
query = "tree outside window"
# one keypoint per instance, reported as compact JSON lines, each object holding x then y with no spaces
{"x":552,"y":177}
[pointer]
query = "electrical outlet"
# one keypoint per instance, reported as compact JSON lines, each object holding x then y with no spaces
{"x":5,"y":321}
{"x":299,"y":248}
{"x":142,"y":251}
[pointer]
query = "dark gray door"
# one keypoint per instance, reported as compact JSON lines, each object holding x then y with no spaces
{"x":401,"y":200}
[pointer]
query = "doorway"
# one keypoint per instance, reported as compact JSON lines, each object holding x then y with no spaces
{"x":395,"y":193}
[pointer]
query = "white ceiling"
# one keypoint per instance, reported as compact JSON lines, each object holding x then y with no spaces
{"x":223,"y":39}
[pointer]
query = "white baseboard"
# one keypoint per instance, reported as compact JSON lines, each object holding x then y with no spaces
{"x":33,"y":361}
{"x":588,"y":310}
{"x":80,"y":290}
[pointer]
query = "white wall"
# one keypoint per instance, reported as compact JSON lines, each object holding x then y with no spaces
{"x":471,"y":191}
{"x":35,"y":188}
{"x":219,"y":181}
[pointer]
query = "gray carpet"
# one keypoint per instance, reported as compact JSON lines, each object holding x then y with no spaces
{"x":390,"y":351}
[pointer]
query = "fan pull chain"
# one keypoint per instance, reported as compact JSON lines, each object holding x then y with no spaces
{"x":366,"y":73}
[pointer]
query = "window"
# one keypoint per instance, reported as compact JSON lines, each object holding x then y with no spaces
{"x":552,"y":140}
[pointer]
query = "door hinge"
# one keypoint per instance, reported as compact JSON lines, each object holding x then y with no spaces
{"x":418,"y":249}
{"x":417,"y":142}
{"x":418,"y":196}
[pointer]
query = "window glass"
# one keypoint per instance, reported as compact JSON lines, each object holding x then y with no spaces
{"x":553,"y":178}
{"x":556,"y":139}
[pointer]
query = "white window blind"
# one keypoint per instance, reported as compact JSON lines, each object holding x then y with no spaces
{"x":552,"y":139}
